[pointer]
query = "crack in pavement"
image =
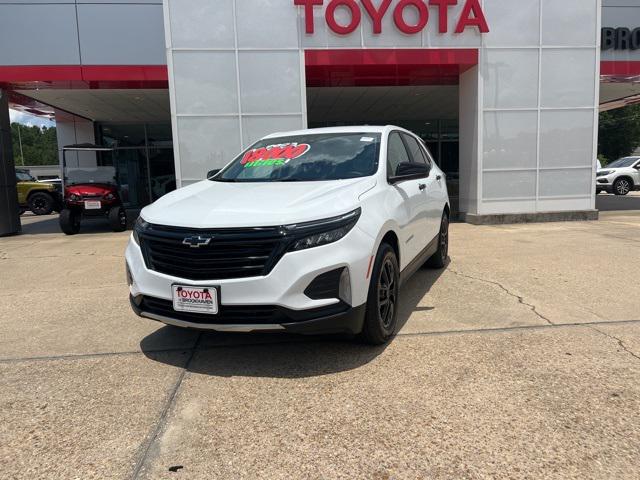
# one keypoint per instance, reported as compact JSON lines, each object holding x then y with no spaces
{"x":146,"y":447}
{"x":618,"y":340}
{"x":507,"y":291}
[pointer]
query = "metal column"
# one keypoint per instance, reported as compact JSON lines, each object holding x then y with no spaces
{"x":9,"y":215}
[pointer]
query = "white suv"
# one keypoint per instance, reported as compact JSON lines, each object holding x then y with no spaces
{"x":619,"y":177}
{"x":308,"y":232}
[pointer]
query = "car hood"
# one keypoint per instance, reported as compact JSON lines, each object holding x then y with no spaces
{"x":210,"y":204}
{"x":37,"y":185}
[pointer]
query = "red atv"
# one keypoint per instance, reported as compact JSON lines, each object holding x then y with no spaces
{"x":90,"y":192}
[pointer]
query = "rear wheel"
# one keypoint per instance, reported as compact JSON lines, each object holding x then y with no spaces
{"x":439,"y":259}
{"x":118,"y":219}
{"x":41,"y":203}
{"x":69,"y":221}
{"x":622,"y":186}
{"x":382,"y":302}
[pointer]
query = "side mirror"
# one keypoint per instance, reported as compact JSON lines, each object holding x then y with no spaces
{"x":410,"y":171}
{"x":212,"y":173}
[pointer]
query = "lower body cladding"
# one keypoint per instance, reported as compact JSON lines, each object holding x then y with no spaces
{"x":320,"y":290}
{"x":340,"y":318}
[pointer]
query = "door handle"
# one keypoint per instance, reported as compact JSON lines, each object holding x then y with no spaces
{"x":422,"y":186}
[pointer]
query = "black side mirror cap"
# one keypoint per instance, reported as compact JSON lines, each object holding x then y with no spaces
{"x":410,"y":171}
{"x":212,"y":173}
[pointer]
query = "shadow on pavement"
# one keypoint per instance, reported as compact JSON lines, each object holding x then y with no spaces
{"x":48,"y":224}
{"x":610,"y":203}
{"x":279,"y":355}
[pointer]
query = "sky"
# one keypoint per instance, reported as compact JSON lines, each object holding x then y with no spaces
{"x":30,"y":120}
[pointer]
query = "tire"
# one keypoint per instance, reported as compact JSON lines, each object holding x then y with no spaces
{"x":381,"y":318}
{"x":118,"y":219}
{"x":439,"y":259}
{"x":69,"y":221}
{"x":622,"y":186}
{"x":41,"y":203}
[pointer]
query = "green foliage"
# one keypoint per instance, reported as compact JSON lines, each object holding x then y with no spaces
{"x":619,"y":133}
{"x":39,"y":145}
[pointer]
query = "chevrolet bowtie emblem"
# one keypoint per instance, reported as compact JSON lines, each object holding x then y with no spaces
{"x":197,"y":241}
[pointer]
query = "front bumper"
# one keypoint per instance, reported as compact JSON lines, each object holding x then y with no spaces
{"x":283,"y":289}
{"x":334,"y":319}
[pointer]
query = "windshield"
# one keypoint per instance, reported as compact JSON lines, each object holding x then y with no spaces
{"x":306,"y":158}
{"x":74,"y":176}
{"x":623,"y":162}
{"x":24,"y":177}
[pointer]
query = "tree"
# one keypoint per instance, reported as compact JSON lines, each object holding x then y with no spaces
{"x":39,"y":145}
{"x":619,"y":133}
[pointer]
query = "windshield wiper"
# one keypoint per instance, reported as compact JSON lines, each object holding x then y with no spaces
{"x":291,"y":179}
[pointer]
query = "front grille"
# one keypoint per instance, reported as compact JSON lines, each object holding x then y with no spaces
{"x":229,"y":254}
{"x":239,"y":314}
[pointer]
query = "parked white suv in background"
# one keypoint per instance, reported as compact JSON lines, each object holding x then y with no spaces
{"x":619,"y":177}
{"x":309,"y":232}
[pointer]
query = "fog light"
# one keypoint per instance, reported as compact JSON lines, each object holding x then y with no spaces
{"x":344,"y":290}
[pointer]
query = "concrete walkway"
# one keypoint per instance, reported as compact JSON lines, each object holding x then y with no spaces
{"x":520,"y":360}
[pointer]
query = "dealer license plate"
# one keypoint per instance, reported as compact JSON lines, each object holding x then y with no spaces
{"x":195,"y":299}
{"x":92,"y":205}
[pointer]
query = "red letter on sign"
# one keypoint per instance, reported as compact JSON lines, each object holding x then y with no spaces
{"x":308,"y":12}
{"x":443,"y":13}
{"x":330,"y":16}
{"x":377,"y":15}
{"x":478,"y":20}
{"x":423,"y":13}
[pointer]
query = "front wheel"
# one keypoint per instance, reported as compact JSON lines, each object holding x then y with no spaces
{"x":69,"y":221}
{"x":382,"y":302}
{"x":439,"y":259}
{"x":118,"y":219}
{"x":41,"y":203}
{"x":622,"y":186}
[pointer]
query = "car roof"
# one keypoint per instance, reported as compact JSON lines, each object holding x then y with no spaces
{"x":352,"y":129}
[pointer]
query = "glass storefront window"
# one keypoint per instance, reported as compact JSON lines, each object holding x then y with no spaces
{"x":143,"y":157}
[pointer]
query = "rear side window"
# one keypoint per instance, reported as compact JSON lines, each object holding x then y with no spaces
{"x":417,"y":155}
{"x":396,"y":153}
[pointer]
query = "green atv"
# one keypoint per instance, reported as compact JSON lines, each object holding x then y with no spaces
{"x":39,"y":197}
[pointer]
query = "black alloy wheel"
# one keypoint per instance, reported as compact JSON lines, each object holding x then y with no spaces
{"x":381,"y":315}
{"x":439,"y":259}
{"x":41,"y":203}
{"x":387,"y":293}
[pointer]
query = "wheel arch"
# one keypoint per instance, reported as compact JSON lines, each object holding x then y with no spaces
{"x":626,"y":177}
{"x":33,"y":192}
{"x":391,"y":238}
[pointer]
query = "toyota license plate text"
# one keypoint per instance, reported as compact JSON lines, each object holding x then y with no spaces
{"x":195,"y":299}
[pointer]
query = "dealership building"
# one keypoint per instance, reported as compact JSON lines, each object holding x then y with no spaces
{"x":506,"y":93}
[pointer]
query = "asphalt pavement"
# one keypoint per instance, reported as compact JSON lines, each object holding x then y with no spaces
{"x":521,"y":359}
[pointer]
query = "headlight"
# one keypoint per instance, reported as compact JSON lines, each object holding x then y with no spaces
{"x":138,"y":228}
{"x":322,"y":232}
{"x":604,"y":173}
